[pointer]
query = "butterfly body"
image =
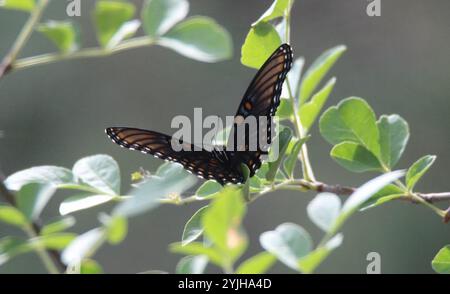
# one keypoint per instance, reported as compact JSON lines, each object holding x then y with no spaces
{"x":222,"y":163}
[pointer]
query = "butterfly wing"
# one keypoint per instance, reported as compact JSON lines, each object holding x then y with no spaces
{"x":262,"y":99}
{"x":206,"y":164}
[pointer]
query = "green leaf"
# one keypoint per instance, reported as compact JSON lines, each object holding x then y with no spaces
{"x":23,"y":5}
{"x":57,"y":226}
{"x":81,"y":202}
{"x":278,"y":9}
{"x":394,"y":135}
{"x":90,"y":266}
{"x":317,"y":71}
{"x":288,"y":242}
{"x":109,"y":16}
{"x":418,"y":169}
{"x":355,"y":157}
{"x":197,"y":248}
{"x":257,"y":264}
{"x":32,"y":198}
{"x":324,"y":209}
{"x":285,"y":110}
{"x":193,"y":228}
{"x":309,"y":111}
{"x":361,"y":195}
{"x":294,"y":80}
{"x":54,"y":175}
{"x":292,"y":158}
{"x":208,"y":189}
{"x":170,"y":179}
{"x":11,"y":247}
{"x":388,"y":193}
{"x":261,"y":41}
{"x":62,"y":33}
{"x":12,"y":216}
{"x":199,"y":38}
{"x":116,"y":228}
{"x":57,"y":241}
{"x":159,"y":16}
{"x":83,"y":246}
{"x":221,"y":222}
{"x":127,"y":30}
{"x":99,"y":171}
{"x":351,"y":120}
{"x":192,"y":265}
{"x":310,"y":262}
{"x":441,"y":262}
{"x":277,"y":152}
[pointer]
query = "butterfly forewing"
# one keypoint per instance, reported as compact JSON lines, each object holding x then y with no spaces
{"x":206,"y":164}
{"x":261,"y":100}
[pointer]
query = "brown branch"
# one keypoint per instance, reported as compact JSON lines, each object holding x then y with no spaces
{"x":35,"y":226}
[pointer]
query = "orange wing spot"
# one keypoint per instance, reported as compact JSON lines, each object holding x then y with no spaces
{"x":248,"y":106}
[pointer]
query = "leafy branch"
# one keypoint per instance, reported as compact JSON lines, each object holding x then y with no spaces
{"x":215,"y":234}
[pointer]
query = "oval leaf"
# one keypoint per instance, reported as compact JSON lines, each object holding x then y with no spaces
{"x":317,"y":71}
{"x":199,"y":38}
{"x":99,"y":171}
{"x":62,"y":33}
{"x":288,"y":242}
{"x":260,"y":43}
{"x":159,"y":16}
{"x":258,"y":264}
{"x":278,"y":9}
{"x":324,"y":209}
{"x":32,"y":198}
{"x":12,"y":216}
{"x":109,"y":16}
{"x":394,"y":135}
{"x":192,"y":265}
{"x":53,"y":175}
{"x":77,"y":203}
{"x":441,"y":262}
{"x":193,"y":228}
{"x":355,"y":157}
{"x":418,"y":169}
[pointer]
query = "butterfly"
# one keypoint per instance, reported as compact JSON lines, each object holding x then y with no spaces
{"x":261,"y":99}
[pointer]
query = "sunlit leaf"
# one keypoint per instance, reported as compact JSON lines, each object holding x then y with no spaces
{"x":32,"y":198}
{"x":81,"y":202}
{"x":355,"y":157}
{"x":324,"y":209}
{"x":193,"y":228}
{"x":109,"y":16}
{"x":159,"y":16}
{"x":12,"y":216}
{"x":257,"y":264}
{"x":57,"y":226}
{"x":278,"y":9}
{"x":260,"y":43}
{"x":127,"y":30}
{"x":54,"y":175}
{"x":199,"y":38}
{"x":394,"y":135}
{"x":311,"y":261}
{"x":99,"y":171}
{"x":24,"y":5}
{"x":441,"y":262}
{"x":62,"y":33}
{"x":83,"y":246}
{"x":288,"y":242}
{"x":418,"y":169}
{"x":197,"y":248}
{"x":317,"y":71}
{"x":192,"y":264}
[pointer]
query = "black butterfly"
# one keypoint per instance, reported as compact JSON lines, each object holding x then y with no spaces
{"x":221,"y":164}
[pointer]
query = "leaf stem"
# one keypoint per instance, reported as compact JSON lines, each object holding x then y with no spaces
{"x":42,"y":252}
{"x":83,"y":53}
{"x":23,"y":37}
{"x":307,"y":170}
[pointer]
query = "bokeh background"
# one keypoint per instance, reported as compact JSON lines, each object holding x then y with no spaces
{"x":399,"y":61}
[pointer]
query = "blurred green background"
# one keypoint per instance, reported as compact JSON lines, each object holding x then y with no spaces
{"x":55,"y":114}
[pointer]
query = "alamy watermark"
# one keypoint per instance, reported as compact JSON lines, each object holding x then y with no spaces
{"x":73,"y":8}
{"x":374,"y":266}
{"x":252,"y":133}
{"x":374,"y":8}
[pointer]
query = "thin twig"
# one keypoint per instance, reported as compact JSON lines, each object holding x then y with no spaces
{"x":50,"y":258}
{"x":22,"y":39}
